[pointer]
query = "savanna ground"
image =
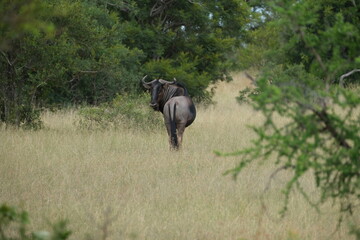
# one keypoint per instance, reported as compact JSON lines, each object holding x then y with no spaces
{"x":125,"y":184}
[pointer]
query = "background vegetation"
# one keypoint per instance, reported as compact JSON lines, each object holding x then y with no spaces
{"x":60,"y":52}
{"x":90,"y":55}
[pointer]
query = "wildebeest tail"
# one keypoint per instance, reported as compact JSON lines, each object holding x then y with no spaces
{"x":173,"y":135}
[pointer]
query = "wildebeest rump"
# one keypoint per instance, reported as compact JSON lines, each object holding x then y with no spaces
{"x":173,"y":100}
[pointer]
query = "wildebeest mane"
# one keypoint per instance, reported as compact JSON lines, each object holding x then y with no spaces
{"x":170,"y":91}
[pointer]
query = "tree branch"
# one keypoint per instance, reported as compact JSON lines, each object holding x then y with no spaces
{"x":324,"y":117}
{"x":313,"y":50}
{"x":122,"y":6}
{"x":159,"y":7}
{"x":273,"y":174}
{"x":341,"y":81}
{"x":93,"y":72}
{"x":317,"y":57}
{"x":353,"y":2}
{"x":6,"y":58}
{"x":193,"y":2}
{"x":253,"y":81}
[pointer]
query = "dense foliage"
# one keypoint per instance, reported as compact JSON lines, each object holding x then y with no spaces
{"x":317,"y":45}
{"x":57,"y":52}
{"x":14,"y":226}
{"x":124,"y":112}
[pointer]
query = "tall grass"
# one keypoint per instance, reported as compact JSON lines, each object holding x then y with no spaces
{"x":124,"y":184}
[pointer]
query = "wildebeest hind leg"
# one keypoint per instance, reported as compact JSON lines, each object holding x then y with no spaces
{"x":171,"y":126}
{"x":180,"y":132}
{"x":168,"y":128}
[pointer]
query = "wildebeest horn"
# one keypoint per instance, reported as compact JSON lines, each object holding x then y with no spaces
{"x":147,"y":83}
{"x":162,"y":81}
{"x":143,"y":79}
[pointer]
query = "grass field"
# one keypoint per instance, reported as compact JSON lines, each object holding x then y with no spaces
{"x":124,"y":184}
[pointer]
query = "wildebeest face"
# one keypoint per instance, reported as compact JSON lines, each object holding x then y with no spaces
{"x":155,"y":88}
{"x":155,"y":94}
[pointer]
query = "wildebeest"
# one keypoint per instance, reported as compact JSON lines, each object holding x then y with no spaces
{"x":173,"y":100}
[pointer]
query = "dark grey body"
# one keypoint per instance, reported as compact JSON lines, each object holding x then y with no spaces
{"x":173,"y":100}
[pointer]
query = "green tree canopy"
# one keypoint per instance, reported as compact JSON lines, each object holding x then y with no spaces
{"x":58,"y":52}
{"x":189,"y":40}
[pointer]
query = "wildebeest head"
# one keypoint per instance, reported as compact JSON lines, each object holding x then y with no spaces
{"x":161,"y":91}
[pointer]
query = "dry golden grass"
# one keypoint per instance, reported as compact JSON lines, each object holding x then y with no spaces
{"x":128,"y":185}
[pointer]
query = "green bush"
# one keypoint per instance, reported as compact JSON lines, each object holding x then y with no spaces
{"x":14,"y":222}
{"x":125,"y":111}
{"x":22,"y":115}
